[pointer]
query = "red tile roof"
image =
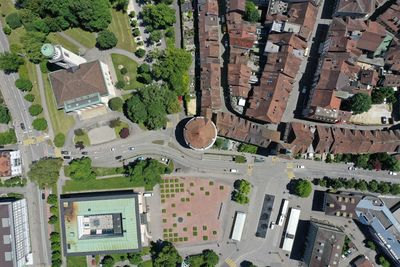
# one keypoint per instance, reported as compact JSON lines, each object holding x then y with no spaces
{"x":5,"y":164}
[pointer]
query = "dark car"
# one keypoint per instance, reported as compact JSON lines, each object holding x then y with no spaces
{"x":85,"y":153}
{"x":67,"y":157}
{"x":64,"y":152}
{"x":384,"y":120}
{"x":22,"y":126}
{"x":118,"y":157}
{"x":43,"y":196}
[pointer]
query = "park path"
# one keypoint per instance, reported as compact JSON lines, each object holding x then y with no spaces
{"x":82,"y":48}
{"x":43,"y":100}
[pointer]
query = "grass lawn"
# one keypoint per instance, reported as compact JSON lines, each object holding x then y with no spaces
{"x":131,"y":66}
{"x":145,"y":251}
{"x":147,"y":263}
{"x":56,"y":38}
{"x":6,"y":7}
{"x":83,"y":138}
{"x":73,"y":261}
{"x":87,"y":39}
{"x":103,"y":171}
{"x":119,"y":128}
{"x":100,"y":184}
{"x":60,"y":121}
{"x":120,"y":27}
{"x":28,"y":71}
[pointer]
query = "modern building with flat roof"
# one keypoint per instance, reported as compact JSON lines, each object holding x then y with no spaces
{"x":15,"y":247}
{"x":324,"y":245}
{"x":100,"y":223}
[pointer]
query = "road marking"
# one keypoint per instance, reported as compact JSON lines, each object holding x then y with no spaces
{"x":57,"y":152}
{"x":290,"y":165}
{"x":250,"y":169}
{"x":274,"y":159}
{"x":290,"y":174}
{"x":34,"y":140}
{"x":230,"y":262}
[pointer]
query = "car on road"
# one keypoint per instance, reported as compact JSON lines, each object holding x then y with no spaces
{"x":234,"y":170}
{"x":22,"y":126}
{"x":165,"y":160}
{"x":118,"y":157}
{"x":131,"y":148}
{"x":351,"y":168}
{"x":392,"y":173}
{"x":300,"y":166}
{"x":140,"y":158}
{"x":112,"y":149}
{"x":67,"y":157}
{"x":43,"y":196}
{"x":64,"y":152}
{"x":85,"y":152}
{"x":272,"y":225}
{"x":384,"y":120}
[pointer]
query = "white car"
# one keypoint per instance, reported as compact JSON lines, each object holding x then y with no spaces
{"x":112,"y":149}
{"x":351,"y":168}
{"x":234,"y":170}
{"x":393,"y":173}
{"x":131,"y":148}
{"x":139,"y":39}
{"x":300,"y":166}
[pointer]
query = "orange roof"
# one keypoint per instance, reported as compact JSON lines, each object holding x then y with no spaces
{"x":5,"y":164}
{"x":200,"y":133}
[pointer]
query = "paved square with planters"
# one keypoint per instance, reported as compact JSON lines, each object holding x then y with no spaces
{"x":191,"y":209}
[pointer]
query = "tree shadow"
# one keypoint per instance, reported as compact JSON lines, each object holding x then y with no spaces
{"x":179,"y":132}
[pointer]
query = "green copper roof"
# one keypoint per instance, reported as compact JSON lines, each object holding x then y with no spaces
{"x":47,"y":50}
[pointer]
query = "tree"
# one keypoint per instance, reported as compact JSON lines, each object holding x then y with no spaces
{"x":13,"y":20}
{"x":210,"y":257}
{"x":124,"y":133}
{"x":39,"y":124}
{"x":35,"y":109}
{"x":7,"y":30}
{"x":55,"y":237}
{"x":251,"y":13}
{"x":120,"y":5}
{"x":302,"y":188}
{"x":362,"y":160}
{"x":155,"y":36}
{"x":379,"y":95}
{"x":32,"y":43}
{"x":240,"y":197}
{"x":115,"y":103}
{"x":144,"y":74}
{"x":360,"y":103}
{"x":8,"y":137}
{"x":158,"y":17}
{"x":10,"y":62}
{"x":53,"y":219}
{"x":173,"y":67}
{"x":242,"y":186}
{"x":136,"y":32}
{"x":80,"y":169}
{"x":140,"y":53}
{"x":29,"y":97}
{"x":120,"y":84}
{"x":5,"y":116}
{"x":59,"y":140}
{"x":108,"y":261}
{"x":164,"y":254}
{"x":132,"y":14}
{"x":45,"y":172}
{"x":79,"y":132}
{"x":23,"y":84}
{"x":247,"y":148}
{"x":115,"y":123}
{"x":383,"y":261}
{"x":135,"y":258}
{"x":106,"y":39}
{"x":52,"y":199}
{"x":123,"y":71}
{"x":146,"y":173}
{"x":93,"y":15}
{"x":361,"y":185}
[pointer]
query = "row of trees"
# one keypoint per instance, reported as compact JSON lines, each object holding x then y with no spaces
{"x":373,"y":186}
{"x":247,"y":148}
{"x":241,"y":191}
{"x":56,"y":255}
{"x":5,"y":116}
{"x":377,"y":161}
{"x":45,"y":172}
{"x":8,"y":137}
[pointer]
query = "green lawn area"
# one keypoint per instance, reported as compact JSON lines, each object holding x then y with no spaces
{"x":83,"y":138}
{"x":56,"y":38}
{"x":147,"y":263}
{"x":28,"y":71}
{"x":119,"y":128}
{"x":73,"y":261}
{"x":120,"y":27}
{"x":131,"y":66}
{"x":60,"y":121}
{"x":6,"y":7}
{"x":98,"y":184}
{"x":87,"y":39}
{"x":103,"y":171}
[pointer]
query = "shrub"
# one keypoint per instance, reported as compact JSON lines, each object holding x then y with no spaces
{"x":39,"y":124}
{"x":53,"y":219}
{"x":302,"y":188}
{"x":123,"y":71}
{"x":115,"y":123}
{"x":124,"y":133}
{"x":79,"y":132}
{"x":136,"y":32}
{"x":13,"y":20}
{"x":115,"y":103}
{"x":23,"y":84}
{"x":35,"y":109}
{"x":52,"y":199}
{"x":140,"y":53}
{"x":132,"y":14}
{"x":7,"y":30}
{"x":120,"y":84}
{"x":106,"y":40}
{"x":59,"y":140}
{"x":29,"y":97}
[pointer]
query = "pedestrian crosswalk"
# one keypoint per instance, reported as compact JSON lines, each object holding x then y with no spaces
{"x":250,"y":169}
{"x":289,"y":170}
{"x":33,"y":140}
{"x":230,"y":262}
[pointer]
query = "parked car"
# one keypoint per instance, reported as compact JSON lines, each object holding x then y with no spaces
{"x":43,"y":196}
{"x":300,"y":166}
{"x":64,"y":152}
{"x":67,"y":157}
{"x":351,"y":168}
{"x":384,"y":120}
{"x":234,"y":170}
{"x":118,"y":157}
{"x":112,"y":149}
{"x":131,"y":148}
{"x":393,"y":173}
{"x":140,"y":158}
{"x":139,"y":39}
{"x":85,"y":153}
{"x":22,"y":126}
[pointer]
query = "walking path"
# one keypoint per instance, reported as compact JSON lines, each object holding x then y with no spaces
{"x":82,"y":48}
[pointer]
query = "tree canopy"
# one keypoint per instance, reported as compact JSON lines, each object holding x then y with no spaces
{"x":59,"y":140}
{"x":32,"y":42}
{"x":35,"y":109}
{"x":302,"y":187}
{"x":24,"y":85}
{"x":8,"y":137}
{"x":158,"y":17}
{"x":164,"y":254}
{"x":207,"y":258}
{"x":247,"y":148}
{"x":360,"y":103}
{"x":5,"y":116}
{"x":80,"y":169}
{"x":115,"y":103}
{"x":106,"y":39}
{"x":242,"y":189}
{"x":251,"y":12}
{"x":13,"y":20}
{"x":45,"y":172}
{"x":150,"y":106}
{"x":379,"y":95}
{"x":146,"y":172}
{"x":39,"y":124}
{"x":173,"y":67}
{"x":10,"y":62}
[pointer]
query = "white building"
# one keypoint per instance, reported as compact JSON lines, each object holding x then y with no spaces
{"x":10,"y":163}
{"x":61,"y":56}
